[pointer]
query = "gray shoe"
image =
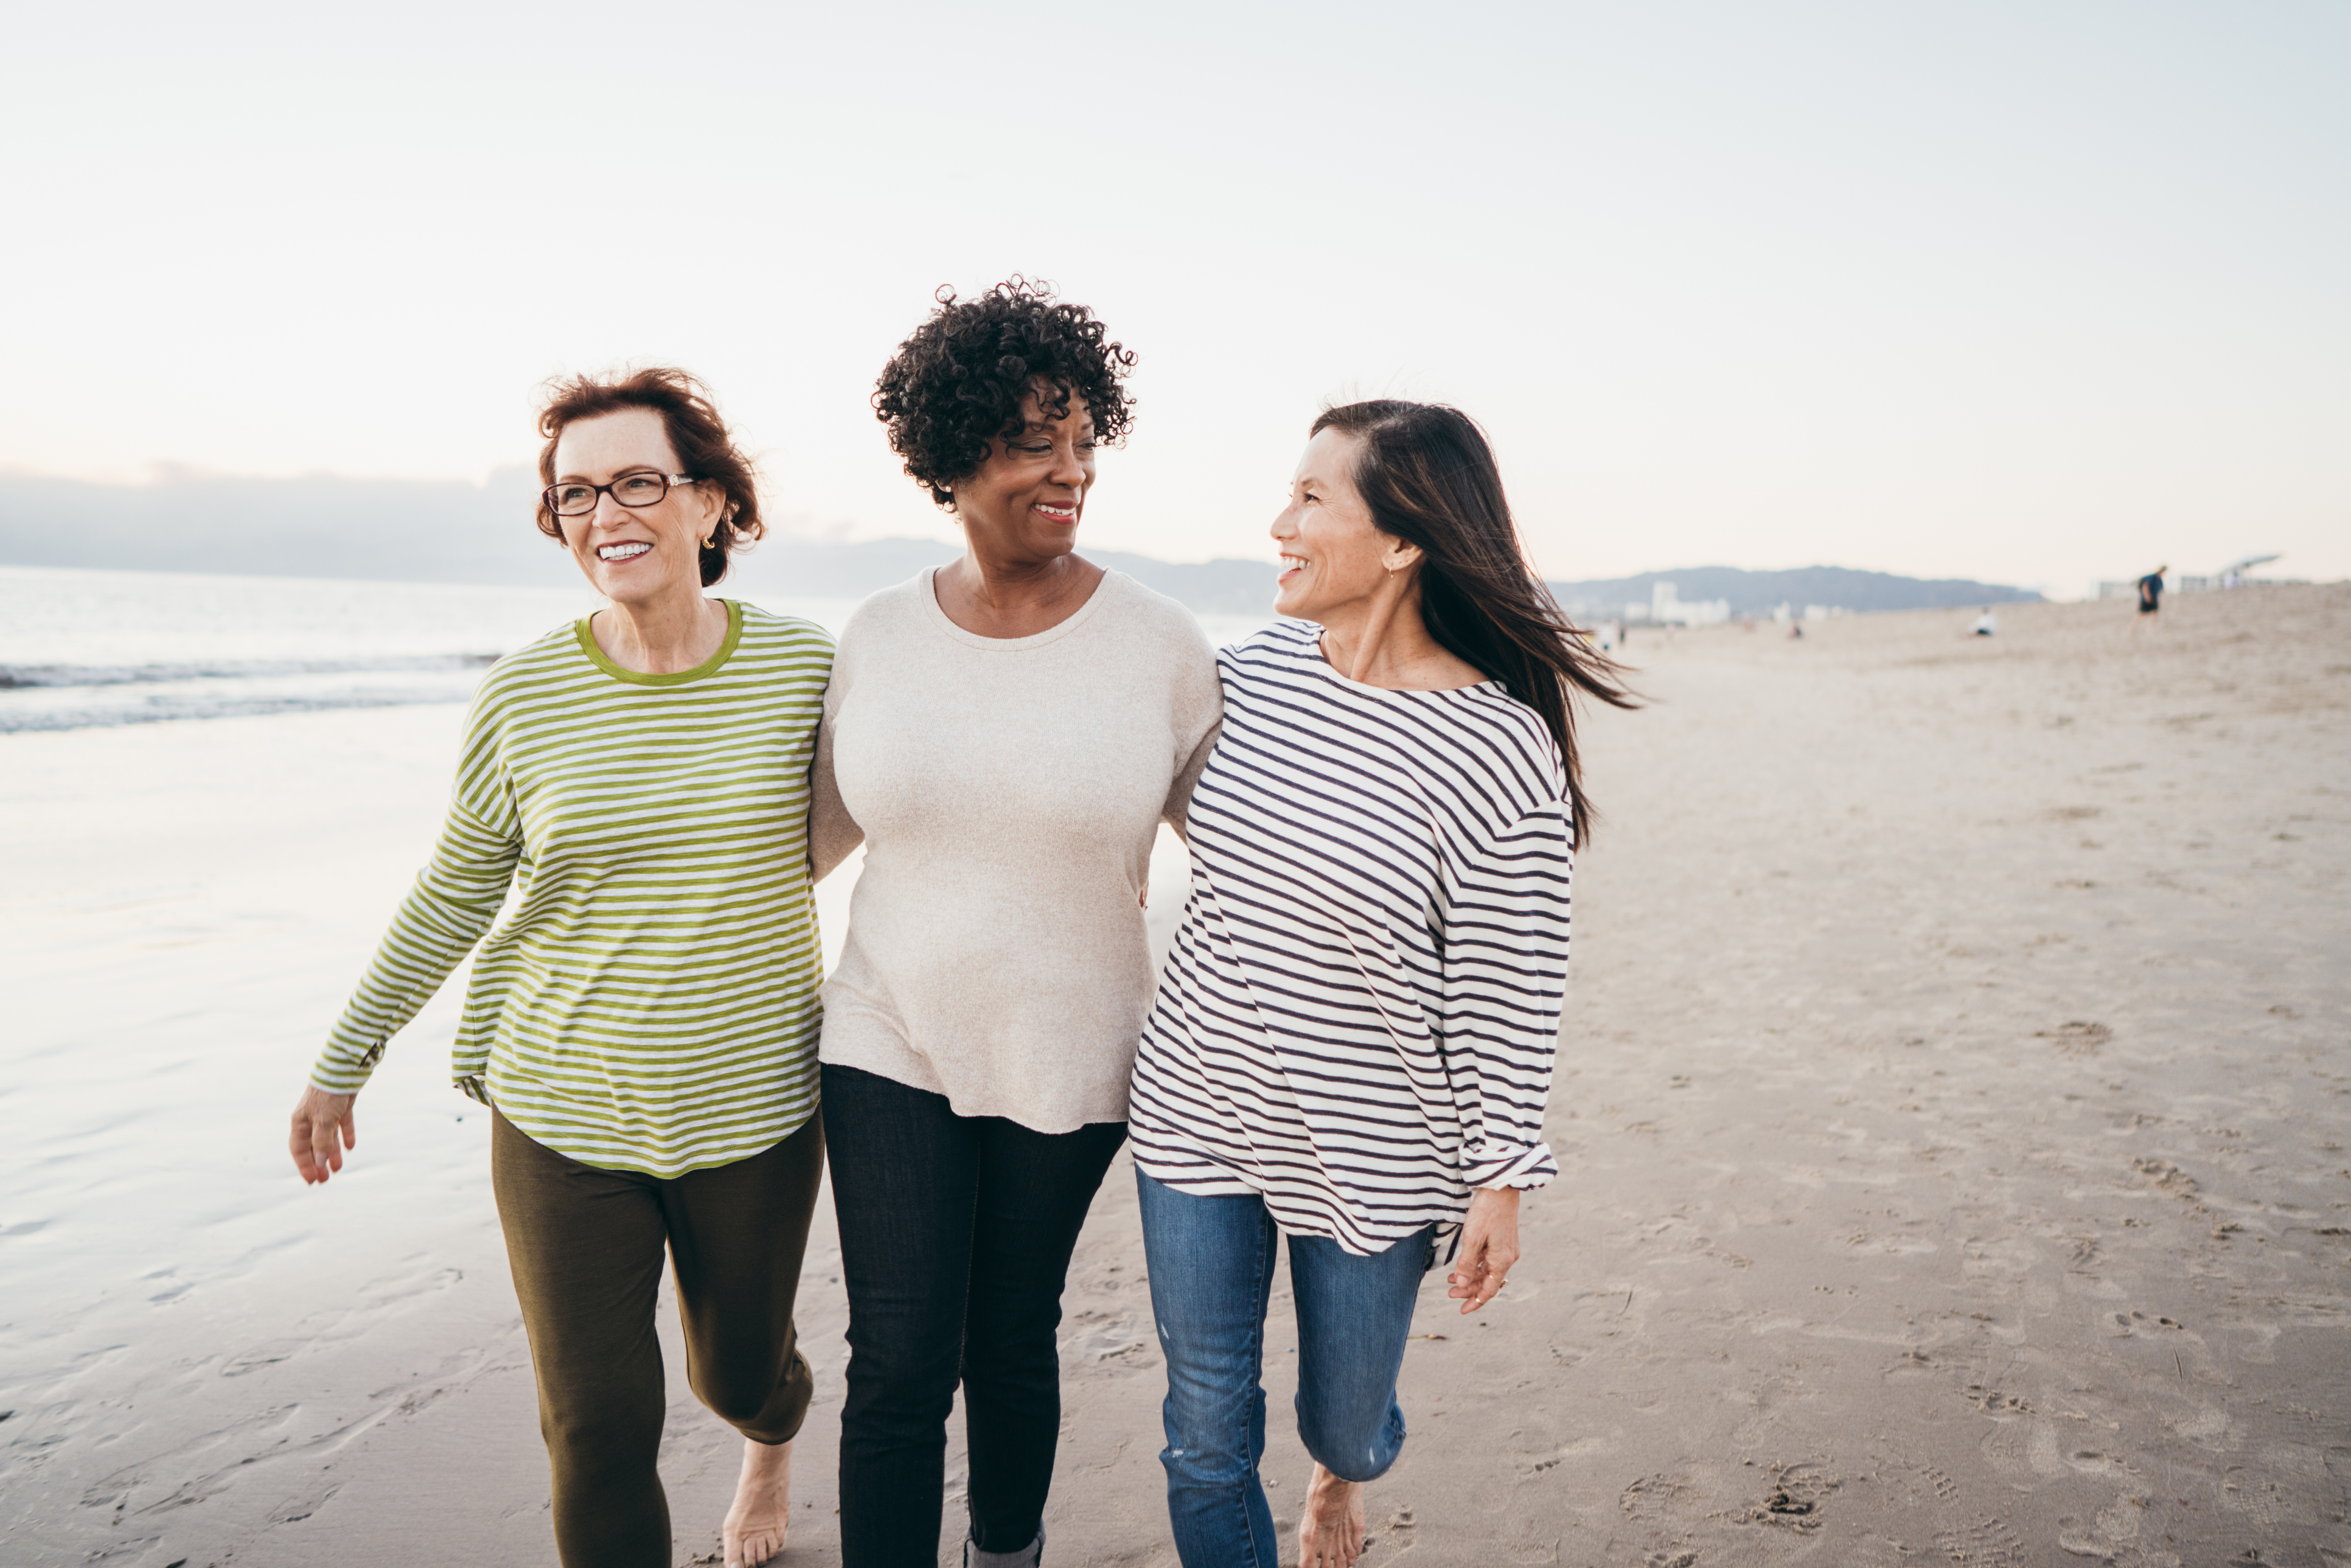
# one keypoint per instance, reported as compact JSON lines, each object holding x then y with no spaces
{"x":1028,"y":1556}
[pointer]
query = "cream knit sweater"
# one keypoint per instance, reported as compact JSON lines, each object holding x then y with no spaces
{"x":1007,"y":792}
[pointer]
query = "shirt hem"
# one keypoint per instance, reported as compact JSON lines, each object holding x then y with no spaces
{"x":757,"y":1142}
{"x":902,"y":1064}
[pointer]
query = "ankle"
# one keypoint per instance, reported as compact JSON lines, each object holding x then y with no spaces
{"x":758,"y":1456}
{"x":1324,"y":1479}
{"x":1028,"y":1556}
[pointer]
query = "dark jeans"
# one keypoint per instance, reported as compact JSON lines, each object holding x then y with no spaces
{"x":586,"y":1246}
{"x":1211,"y":1261}
{"x":956,"y":1236}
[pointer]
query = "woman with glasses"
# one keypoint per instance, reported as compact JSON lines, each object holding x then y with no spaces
{"x":1005,"y":735}
{"x":1351,"y":1045}
{"x":644,"y":1022}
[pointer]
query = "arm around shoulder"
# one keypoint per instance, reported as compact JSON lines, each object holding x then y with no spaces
{"x":1198,"y":716}
{"x":832,"y":833}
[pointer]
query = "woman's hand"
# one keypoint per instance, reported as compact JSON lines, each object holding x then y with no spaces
{"x":1489,"y":1245}
{"x":319,"y":1117}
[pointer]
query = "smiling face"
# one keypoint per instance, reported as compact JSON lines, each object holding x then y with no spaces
{"x":1025,"y":501}
{"x":1332,"y":558}
{"x":633,"y":555}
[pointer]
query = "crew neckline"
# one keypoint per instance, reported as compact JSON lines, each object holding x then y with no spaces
{"x":587,"y":636}
{"x":1311,"y":651}
{"x":926,"y":590}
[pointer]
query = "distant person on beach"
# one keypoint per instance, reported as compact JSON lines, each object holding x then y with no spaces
{"x":1005,"y":736}
{"x":2150,"y":598}
{"x":1352,"y":1046}
{"x":644,"y":1022}
{"x":1987,"y":624}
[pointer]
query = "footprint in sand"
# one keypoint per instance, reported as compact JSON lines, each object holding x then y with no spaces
{"x":1925,"y":1482}
{"x":2165,"y":1176}
{"x":2077,"y":1036}
{"x":1914,"y":1495}
{"x":1983,"y":1544}
{"x":1655,"y":1499}
{"x":1670,"y":1506}
{"x":1795,"y":1496}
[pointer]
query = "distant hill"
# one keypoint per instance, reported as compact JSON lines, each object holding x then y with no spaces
{"x":425,"y":531}
{"x":398,"y":530}
{"x":447,"y":531}
{"x":1759,"y":592}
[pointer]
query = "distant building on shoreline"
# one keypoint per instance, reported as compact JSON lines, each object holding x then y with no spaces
{"x":1784,"y":614}
{"x":1720,"y":594}
{"x":1666,"y":609}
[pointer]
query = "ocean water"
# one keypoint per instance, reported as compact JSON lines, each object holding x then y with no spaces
{"x":83,"y":649}
{"x":86,"y":649}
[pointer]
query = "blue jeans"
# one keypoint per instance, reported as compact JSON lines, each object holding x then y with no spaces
{"x":1211,"y":1261}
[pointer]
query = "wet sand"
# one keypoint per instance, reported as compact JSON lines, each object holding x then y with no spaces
{"x":1953,"y":1108}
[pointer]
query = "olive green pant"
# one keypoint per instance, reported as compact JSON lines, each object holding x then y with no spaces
{"x":586,"y":1247}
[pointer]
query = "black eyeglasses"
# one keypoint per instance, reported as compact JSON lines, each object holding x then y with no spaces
{"x":573,"y":499}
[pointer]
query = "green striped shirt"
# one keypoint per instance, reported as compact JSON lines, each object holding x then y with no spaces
{"x":650,"y":1004}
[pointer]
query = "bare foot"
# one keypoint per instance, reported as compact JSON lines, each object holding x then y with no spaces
{"x":754,"y":1531}
{"x":1331,"y":1523}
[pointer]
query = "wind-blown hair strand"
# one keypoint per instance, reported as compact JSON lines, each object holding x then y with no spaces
{"x":1428,"y":476}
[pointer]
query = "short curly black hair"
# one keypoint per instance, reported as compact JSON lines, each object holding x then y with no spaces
{"x":955,"y":386}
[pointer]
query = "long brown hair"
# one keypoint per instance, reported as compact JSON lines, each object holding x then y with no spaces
{"x":696,"y":434}
{"x":1428,"y":475}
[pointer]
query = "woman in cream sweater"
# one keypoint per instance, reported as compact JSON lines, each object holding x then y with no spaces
{"x":1005,"y":736}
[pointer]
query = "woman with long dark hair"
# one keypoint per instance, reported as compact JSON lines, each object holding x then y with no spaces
{"x":1352,"y":1044}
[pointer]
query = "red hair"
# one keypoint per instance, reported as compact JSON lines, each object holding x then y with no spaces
{"x":706,"y":450}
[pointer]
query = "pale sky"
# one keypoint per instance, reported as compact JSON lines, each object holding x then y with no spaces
{"x":2036,"y":293}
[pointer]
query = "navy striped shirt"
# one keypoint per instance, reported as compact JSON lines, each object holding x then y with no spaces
{"x":1358,"y":1018}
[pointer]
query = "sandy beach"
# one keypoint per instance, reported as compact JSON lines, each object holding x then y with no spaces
{"x":1954,"y":1111}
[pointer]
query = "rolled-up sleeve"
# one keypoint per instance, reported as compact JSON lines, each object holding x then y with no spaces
{"x":1505,"y":981}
